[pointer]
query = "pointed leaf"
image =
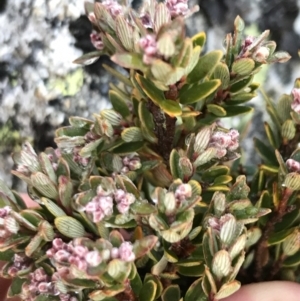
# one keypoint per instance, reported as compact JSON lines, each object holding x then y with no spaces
{"x":129,"y":60}
{"x":205,"y":66}
{"x":89,"y":58}
{"x":69,"y":226}
{"x":198,"y":92}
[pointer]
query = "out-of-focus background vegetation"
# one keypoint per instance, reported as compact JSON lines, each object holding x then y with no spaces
{"x":40,"y":87}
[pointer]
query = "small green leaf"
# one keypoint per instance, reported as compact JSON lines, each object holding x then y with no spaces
{"x":191,"y":271}
{"x":195,"y":292}
{"x":172,"y":292}
{"x":53,"y":208}
{"x":69,"y":226}
{"x":198,"y":92}
{"x":89,"y":58}
{"x":144,"y":245}
{"x":7,"y":255}
{"x":148,"y":291}
{"x":240,"y":84}
{"x":127,"y":148}
{"x":272,"y":137}
{"x":222,"y":73}
{"x":171,"y":107}
{"x":118,"y":75}
{"x":292,"y":261}
{"x":124,"y":32}
{"x":199,"y":39}
{"x":15,"y":287}
{"x":278,"y":237}
{"x":228,"y":289}
{"x":216,"y":110}
{"x":265,"y":152}
{"x":243,"y":66}
{"x":237,"y":110}
{"x":205,"y":66}
{"x":222,"y":180}
{"x":118,"y":103}
{"x":129,"y":60}
{"x":214,"y":172}
{"x":132,"y":134}
{"x":44,"y":185}
{"x":174,"y":165}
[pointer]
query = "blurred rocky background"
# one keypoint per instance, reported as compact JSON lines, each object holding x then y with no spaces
{"x":40,"y":87}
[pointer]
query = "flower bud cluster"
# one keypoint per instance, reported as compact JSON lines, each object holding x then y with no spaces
{"x":211,"y":144}
{"x":39,"y":283}
{"x":296,"y":100}
{"x":123,"y":200}
{"x":73,"y":253}
{"x":76,"y":254}
{"x":148,"y":46}
{"x":124,"y":252}
{"x":20,"y":262}
{"x":226,"y":227}
{"x":233,"y":243}
{"x":79,"y":159}
{"x":8,"y":224}
{"x":96,"y":40}
{"x":131,"y":163}
{"x":224,"y":141}
{"x":183,"y":191}
{"x":258,"y":53}
{"x":177,"y":7}
{"x":113,"y":7}
{"x":101,"y":205}
{"x":293,"y":165}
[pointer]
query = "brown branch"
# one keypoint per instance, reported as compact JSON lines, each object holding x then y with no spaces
{"x":164,"y":125}
{"x":276,"y":268}
{"x":262,"y":244}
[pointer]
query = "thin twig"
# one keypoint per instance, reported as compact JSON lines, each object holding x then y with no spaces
{"x":263,"y":242}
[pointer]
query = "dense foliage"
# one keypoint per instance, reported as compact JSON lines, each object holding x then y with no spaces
{"x":148,"y":201}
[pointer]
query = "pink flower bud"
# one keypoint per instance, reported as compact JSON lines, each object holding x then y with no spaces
{"x":80,"y":251}
{"x":213,"y":222}
{"x":96,"y":40}
{"x":81,"y":265}
{"x":123,"y":208}
{"x":135,"y":164}
{"x":114,"y":253}
{"x":93,"y":258}
{"x":221,"y":153}
{"x":57,"y":243}
{"x":125,"y":252}
{"x":43,"y":287}
{"x":119,"y":195}
{"x":126,"y":160}
{"x":92,"y":206}
{"x":40,"y":275}
{"x":61,"y":256}
{"x":261,"y":54}
{"x":221,"y":139}
{"x":234,"y":134}
{"x":124,"y":170}
{"x":12,"y":271}
{"x":296,"y":100}
{"x":183,"y":191}
{"x":4,"y":211}
{"x":106,"y":205}
{"x":293,"y":165}
{"x":98,"y":216}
